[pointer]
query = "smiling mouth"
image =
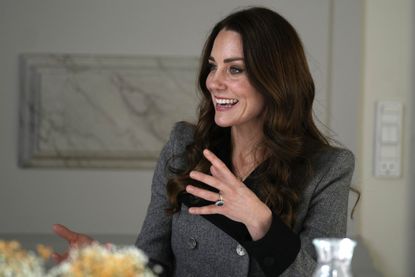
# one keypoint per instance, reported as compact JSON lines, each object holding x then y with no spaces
{"x":225,"y":102}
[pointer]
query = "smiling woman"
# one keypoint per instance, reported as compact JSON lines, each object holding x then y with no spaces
{"x":245,"y":190}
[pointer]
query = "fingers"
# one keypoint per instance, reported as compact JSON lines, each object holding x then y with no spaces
{"x":207,"y":179}
{"x":216,"y":162}
{"x":215,"y":172}
{"x":202,"y":193}
{"x":64,"y":232}
{"x":218,"y":167}
{"x":210,"y":209}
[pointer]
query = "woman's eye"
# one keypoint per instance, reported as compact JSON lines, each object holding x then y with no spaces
{"x":235,"y":70}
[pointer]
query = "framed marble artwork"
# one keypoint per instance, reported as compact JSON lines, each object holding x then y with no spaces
{"x":102,"y":111}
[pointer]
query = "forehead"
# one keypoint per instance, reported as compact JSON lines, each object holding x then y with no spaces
{"x":227,"y":44}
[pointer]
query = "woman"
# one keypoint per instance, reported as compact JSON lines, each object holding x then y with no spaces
{"x":246,"y":190}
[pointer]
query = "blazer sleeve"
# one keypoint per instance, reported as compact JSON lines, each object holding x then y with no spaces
{"x":154,"y":238}
{"x":281,"y":250}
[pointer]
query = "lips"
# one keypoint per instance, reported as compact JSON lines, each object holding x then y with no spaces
{"x":224,"y":104}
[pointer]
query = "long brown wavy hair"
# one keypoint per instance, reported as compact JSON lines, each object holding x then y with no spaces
{"x":277,"y":67}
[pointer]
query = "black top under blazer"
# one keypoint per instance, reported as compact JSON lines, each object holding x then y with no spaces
{"x":196,"y":246}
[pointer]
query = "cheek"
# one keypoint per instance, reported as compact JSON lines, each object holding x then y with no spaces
{"x":261,"y":102}
{"x":258,"y":103}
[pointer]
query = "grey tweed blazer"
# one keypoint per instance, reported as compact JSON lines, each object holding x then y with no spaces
{"x":191,"y":246}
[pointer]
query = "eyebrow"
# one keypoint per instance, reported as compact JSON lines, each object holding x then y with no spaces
{"x":228,"y":60}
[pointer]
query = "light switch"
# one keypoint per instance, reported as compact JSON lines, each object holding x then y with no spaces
{"x":389,"y":134}
{"x":388,"y":139}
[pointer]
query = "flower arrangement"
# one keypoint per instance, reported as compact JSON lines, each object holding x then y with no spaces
{"x":93,"y":260}
{"x":17,"y":262}
{"x":98,"y":260}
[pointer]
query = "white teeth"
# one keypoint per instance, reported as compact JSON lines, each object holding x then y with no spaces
{"x":226,"y":101}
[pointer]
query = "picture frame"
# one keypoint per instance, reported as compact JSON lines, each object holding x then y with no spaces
{"x":102,"y":111}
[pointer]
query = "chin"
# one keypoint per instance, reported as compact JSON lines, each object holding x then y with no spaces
{"x":222,"y":123}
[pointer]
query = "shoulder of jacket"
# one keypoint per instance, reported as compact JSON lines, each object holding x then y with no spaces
{"x":182,"y":134}
{"x":183,"y":127}
{"x":333,"y":157}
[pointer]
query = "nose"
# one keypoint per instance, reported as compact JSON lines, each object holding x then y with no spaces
{"x":215,"y":81}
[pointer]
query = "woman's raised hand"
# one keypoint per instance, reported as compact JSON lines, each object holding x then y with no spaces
{"x":74,"y":240}
{"x":240,"y":203}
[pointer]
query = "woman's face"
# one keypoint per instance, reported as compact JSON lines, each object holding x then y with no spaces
{"x":236,"y":101}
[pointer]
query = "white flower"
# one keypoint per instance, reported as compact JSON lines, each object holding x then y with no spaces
{"x":97,"y":260}
{"x":17,"y":262}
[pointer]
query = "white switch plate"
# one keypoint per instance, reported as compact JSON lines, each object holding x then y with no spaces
{"x":388,"y":139}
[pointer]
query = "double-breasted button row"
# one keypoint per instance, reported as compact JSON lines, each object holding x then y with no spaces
{"x":192,"y":244}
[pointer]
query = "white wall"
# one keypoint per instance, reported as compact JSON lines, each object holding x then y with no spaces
{"x":411,"y":245}
{"x":386,"y":203}
{"x":345,"y":70}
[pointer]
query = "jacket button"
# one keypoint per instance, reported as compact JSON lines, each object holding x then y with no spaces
{"x":192,"y":243}
{"x":240,"y":250}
